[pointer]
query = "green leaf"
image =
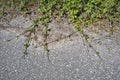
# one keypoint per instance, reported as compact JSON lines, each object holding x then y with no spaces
{"x":26,"y":45}
{"x":38,"y":10}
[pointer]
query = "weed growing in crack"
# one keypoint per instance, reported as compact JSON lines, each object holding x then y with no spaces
{"x":26,"y":45}
{"x":90,"y":45}
{"x":29,"y":33}
{"x":85,"y":38}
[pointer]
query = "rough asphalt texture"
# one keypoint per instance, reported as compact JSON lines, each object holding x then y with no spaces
{"x":70,"y":61}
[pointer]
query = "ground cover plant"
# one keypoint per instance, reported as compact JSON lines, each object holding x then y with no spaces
{"x":81,"y":13}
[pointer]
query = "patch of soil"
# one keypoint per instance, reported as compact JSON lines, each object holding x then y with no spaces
{"x":60,"y":28}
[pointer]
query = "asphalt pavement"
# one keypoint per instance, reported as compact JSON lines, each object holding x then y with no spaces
{"x":70,"y":60}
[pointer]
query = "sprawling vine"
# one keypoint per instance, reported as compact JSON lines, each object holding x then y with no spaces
{"x":79,"y":12}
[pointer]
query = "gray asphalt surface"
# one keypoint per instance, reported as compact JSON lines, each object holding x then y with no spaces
{"x":70,"y":60}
